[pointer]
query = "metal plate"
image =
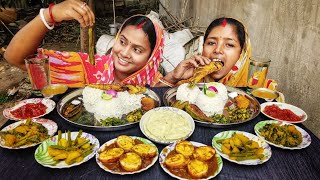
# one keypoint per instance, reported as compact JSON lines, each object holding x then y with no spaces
{"x":170,"y":96}
{"x":78,"y":92}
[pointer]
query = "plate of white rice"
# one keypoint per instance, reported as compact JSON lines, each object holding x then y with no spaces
{"x":210,"y":105}
{"x":93,"y":104}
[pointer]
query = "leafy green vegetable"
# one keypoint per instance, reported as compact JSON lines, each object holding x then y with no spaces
{"x":86,"y":119}
{"x":234,"y":115}
{"x":112,"y":122}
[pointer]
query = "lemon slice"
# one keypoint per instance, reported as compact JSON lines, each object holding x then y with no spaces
{"x":211,"y":93}
{"x":106,"y":96}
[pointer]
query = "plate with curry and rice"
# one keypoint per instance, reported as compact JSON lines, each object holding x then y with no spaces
{"x":107,"y":107}
{"x":213,"y":104}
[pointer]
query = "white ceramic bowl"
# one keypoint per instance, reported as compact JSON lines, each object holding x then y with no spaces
{"x":171,"y":129}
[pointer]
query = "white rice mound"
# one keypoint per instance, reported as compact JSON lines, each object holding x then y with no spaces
{"x":184,"y":93}
{"x":124,"y":103}
{"x":90,"y":97}
{"x":213,"y":105}
{"x":222,"y":90}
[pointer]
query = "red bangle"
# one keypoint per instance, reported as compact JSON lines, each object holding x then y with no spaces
{"x":51,"y":16}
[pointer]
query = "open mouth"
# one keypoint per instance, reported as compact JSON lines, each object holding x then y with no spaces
{"x":218,"y":60}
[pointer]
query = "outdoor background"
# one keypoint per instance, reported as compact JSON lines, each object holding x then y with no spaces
{"x":286,"y":31}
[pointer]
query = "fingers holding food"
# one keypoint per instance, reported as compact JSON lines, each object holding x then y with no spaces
{"x":74,"y":9}
{"x":201,"y":60}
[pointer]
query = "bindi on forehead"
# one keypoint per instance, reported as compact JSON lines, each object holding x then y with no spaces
{"x":141,"y":25}
{"x":224,"y":22}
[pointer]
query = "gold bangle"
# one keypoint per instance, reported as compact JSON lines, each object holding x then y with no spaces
{"x":166,"y":82}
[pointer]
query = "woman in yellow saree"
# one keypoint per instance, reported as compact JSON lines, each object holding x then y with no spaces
{"x":225,"y":40}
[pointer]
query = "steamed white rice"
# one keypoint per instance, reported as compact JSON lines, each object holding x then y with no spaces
{"x":208,"y":105}
{"x":90,"y":97}
{"x":184,"y":93}
{"x":222,"y":90}
{"x":124,"y":103}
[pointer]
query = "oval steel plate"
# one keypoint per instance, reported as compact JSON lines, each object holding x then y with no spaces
{"x":78,"y":92}
{"x":170,"y":96}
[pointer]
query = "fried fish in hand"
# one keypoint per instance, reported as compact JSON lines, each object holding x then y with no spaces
{"x":203,"y":71}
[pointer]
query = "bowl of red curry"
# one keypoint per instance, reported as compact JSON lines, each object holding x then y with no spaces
{"x":29,"y":108}
{"x":283,"y":112}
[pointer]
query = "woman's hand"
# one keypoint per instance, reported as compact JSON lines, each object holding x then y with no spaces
{"x":186,"y":68}
{"x":73,"y":9}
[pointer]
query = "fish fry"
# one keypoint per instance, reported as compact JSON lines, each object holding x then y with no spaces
{"x":201,"y":72}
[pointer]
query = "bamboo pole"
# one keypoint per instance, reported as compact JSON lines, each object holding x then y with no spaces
{"x":114,"y":13}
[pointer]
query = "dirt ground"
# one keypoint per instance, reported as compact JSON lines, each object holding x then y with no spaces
{"x":15,"y":81}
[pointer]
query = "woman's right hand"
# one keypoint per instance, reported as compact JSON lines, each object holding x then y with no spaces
{"x":186,"y":68}
{"x":73,"y":9}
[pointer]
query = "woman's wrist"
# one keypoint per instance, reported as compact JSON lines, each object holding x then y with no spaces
{"x":170,"y":78}
{"x":45,"y":18}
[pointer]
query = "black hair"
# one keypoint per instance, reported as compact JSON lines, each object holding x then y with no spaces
{"x":147,"y":27}
{"x":238,"y":25}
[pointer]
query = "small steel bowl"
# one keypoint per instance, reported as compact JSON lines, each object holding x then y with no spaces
{"x":265,"y":93}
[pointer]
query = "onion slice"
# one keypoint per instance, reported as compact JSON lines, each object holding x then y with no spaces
{"x":212,"y":88}
{"x":112,"y":92}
